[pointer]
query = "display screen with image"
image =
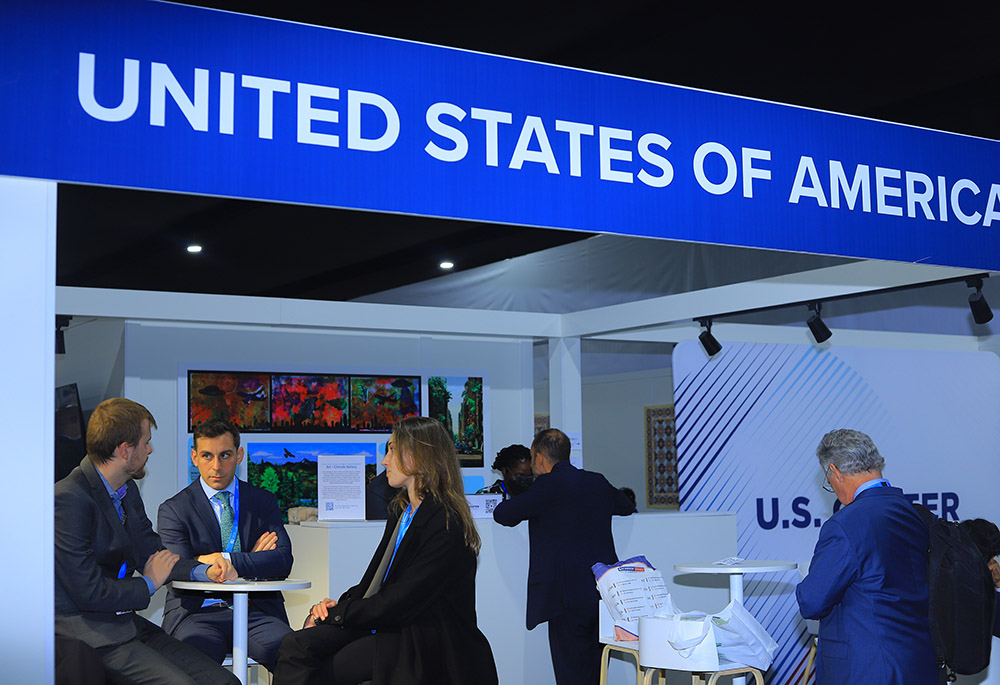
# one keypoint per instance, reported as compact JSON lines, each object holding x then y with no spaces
{"x":302,"y":402}
{"x":457,"y":402}
{"x":241,"y":398}
{"x":289,"y":469}
{"x":379,"y":402}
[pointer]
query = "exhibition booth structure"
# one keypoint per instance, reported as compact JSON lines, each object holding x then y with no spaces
{"x":178,"y":99}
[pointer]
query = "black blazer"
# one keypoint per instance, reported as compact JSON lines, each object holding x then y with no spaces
{"x":429,"y":598}
{"x":569,"y":514}
{"x":90,"y":545}
{"x":189,"y":528}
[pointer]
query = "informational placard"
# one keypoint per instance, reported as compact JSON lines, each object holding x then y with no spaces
{"x":158,"y":95}
{"x":482,"y":506}
{"x":341,"y":487}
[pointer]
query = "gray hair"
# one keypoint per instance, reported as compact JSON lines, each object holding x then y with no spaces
{"x":850,"y":451}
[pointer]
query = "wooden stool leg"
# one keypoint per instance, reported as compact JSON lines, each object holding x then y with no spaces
{"x":757,"y":675}
{"x":650,"y":672}
{"x":605,"y":657}
{"x":809,"y":662}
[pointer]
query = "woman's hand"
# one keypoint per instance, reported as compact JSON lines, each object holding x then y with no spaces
{"x":319,"y":612}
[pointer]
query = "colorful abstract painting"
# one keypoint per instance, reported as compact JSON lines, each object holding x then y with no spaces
{"x":457,"y":402}
{"x":241,"y":398}
{"x":662,"y":488}
{"x":315,"y":403}
{"x":379,"y":402}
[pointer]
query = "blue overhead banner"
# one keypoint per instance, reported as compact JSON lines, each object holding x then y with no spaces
{"x":168,"y":97}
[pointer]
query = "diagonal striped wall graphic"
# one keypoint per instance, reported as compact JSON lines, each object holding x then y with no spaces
{"x":748,"y":422}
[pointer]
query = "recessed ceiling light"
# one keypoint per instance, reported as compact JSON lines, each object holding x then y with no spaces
{"x":194,"y":249}
{"x":447,"y":265}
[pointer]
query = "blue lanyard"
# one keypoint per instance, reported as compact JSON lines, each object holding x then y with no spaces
{"x":120,"y":508}
{"x":404,"y":523}
{"x":217,"y":508}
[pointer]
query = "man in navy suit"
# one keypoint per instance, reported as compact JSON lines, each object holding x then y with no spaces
{"x":109,"y":562}
{"x":569,"y":514}
{"x":220,"y":516}
{"x":867,"y":581}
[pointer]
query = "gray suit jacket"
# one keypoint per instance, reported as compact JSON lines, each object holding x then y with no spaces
{"x":91,"y":543}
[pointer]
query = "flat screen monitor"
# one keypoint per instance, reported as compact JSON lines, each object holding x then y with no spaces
{"x":70,"y":430}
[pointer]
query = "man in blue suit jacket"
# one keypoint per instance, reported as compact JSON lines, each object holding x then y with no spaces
{"x":867,"y":581}
{"x":194,"y":523}
{"x":569,"y":530}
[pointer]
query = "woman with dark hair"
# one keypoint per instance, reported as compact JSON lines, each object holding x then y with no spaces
{"x":412,"y":618}
{"x":514,"y":464}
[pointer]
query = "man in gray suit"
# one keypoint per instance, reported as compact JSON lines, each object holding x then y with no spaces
{"x":102,"y":537}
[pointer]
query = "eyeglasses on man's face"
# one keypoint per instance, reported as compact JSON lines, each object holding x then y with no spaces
{"x":826,"y":479}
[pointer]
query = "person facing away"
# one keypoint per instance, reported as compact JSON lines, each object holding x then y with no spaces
{"x":569,"y":514}
{"x":412,"y":618}
{"x":867,"y":581}
{"x":102,"y":537}
{"x":221,"y":516}
{"x":514,"y":464}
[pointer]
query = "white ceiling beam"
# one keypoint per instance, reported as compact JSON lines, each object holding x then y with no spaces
{"x":266,"y":311}
{"x":807,"y":286}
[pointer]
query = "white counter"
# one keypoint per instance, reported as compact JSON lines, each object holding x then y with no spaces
{"x":339,"y":551}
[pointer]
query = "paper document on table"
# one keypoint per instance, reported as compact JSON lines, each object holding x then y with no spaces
{"x":632,"y":588}
{"x":729,"y":561}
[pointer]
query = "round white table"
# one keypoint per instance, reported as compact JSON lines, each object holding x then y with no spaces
{"x":735,"y":573}
{"x":241,"y":590}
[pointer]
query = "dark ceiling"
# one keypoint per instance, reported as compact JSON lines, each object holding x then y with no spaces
{"x":938,"y":69}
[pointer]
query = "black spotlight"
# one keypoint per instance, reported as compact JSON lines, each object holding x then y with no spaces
{"x":819,"y":330}
{"x":61,"y":323}
{"x":707,"y":340}
{"x":981,"y":312}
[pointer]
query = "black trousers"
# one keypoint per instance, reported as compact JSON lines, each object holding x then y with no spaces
{"x":575,"y":647}
{"x":211,"y":631}
{"x":77,"y":663}
{"x":328,"y":654}
{"x":155,"y":658}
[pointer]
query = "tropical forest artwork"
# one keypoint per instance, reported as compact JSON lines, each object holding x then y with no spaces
{"x":457,"y":402}
{"x":309,"y":403}
{"x":378,"y":402}
{"x":241,"y":398}
{"x":289,"y":469}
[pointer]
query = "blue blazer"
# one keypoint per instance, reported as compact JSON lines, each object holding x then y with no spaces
{"x":569,"y":514}
{"x":867,"y":585}
{"x":188,"y":527}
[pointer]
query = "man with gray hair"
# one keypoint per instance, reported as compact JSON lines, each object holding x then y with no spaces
{"x":867,"y":581}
